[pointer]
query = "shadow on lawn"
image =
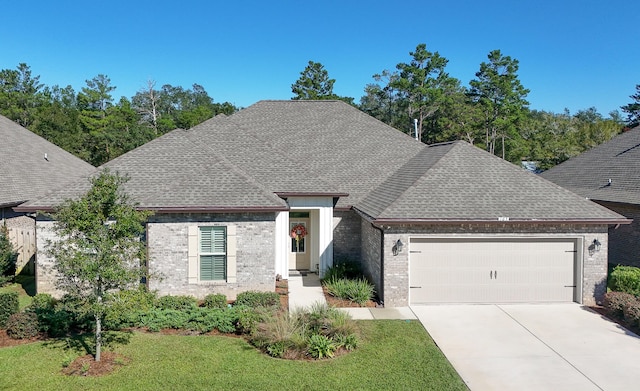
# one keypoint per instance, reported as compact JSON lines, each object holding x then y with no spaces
{"x":85,"y":343}
{"x":28,"y":283}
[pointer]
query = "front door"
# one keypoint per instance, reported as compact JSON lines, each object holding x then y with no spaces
{"x":299,"y":251}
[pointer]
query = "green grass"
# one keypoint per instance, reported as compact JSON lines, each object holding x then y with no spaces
{"x":395,"y":355}
{"x":25,"y":286}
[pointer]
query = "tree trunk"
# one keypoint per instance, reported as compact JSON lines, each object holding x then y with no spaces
{"x":98,"y":337}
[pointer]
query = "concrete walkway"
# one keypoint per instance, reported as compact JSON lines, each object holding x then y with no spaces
{"x":305,"y":290}
{"x":534,"y":346}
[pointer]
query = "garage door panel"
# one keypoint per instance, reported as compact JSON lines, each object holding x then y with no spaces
{"x":488,"y":271}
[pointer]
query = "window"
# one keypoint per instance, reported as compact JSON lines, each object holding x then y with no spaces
{"x":297,"y":243}
{"x":213,"y":253}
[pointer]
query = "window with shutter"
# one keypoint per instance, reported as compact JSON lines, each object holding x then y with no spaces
{"x":213,"y":253}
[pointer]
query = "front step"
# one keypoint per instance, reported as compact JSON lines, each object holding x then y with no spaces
{"x":298,"y":273}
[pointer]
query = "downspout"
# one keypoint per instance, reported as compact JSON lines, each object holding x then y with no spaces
{"x":381,"y":290}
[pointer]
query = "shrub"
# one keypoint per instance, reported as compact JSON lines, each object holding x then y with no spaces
{"x":341,"y":324}
{"x":359,"y":290}
{"x":178,"y":303}
{"x":42,"y":302}
{"x":631,"y":313}
{"x":158,"y":319}
{"x":625,"y":279}
{"x":349,"y":342}
{"x":58,"y":317}
{"x":276,"y":349}
{"x":8,"y":257}
{"x":249,"y":318}
{"x":615,"y":302}
{"x":321,"y":346}
{"x":216,"y":300}
{"x":8,"y":306}
{"x":208,"y":319}
{"x":256,"y":299}
{"x":126,"y":307}
{"x":22,"y":325}
{"x":75,"y":312}
{"x":318,"y":332}
{"x":343,"y":268}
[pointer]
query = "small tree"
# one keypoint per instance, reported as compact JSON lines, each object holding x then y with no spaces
{"x":8,"y":257}
{"x":99,"y":248}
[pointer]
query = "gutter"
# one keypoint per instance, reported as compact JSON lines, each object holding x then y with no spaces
{"x":177,"y":209}
{"x":500,"y":221}
{"x":381,"y":293}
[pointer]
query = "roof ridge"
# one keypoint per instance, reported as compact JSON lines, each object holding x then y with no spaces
{"x":393,"y":188}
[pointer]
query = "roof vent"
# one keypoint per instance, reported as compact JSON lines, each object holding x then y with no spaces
{"x":609,"y":182}
{"x":46,"y":157}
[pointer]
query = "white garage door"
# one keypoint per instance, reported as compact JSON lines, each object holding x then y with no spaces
{"x":491,"y":271}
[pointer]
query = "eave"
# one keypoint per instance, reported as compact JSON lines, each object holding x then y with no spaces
{"x":285,"y":194}
{"x":180,"y":209}
{"x":11,"y":204}
{"x":381,"y":222}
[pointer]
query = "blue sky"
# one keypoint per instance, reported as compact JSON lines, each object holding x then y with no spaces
{"x":572,"y":54}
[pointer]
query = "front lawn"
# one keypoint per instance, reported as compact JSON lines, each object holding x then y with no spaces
{"x":25,"y":286}
{"x":394,"y":355}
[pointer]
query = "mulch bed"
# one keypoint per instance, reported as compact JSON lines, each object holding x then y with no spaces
{"x":342,"y":303}
{"x":282,"y":288}
{"x":6,"y":341}
{"x":87,"y":366}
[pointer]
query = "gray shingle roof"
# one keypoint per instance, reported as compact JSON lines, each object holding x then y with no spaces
{"x":26,"y":174}
{"x":588,"y":174}
{"x":312,"y":145}
{"x":460,"y":182}
{"x":173,"y":173}
{"x":242,"y":161}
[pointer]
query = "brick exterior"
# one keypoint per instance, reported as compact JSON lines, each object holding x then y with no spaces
{"x":167,"y":238}
{"x":346,"y":236}
{"x":624,"y":241}
{"x":354,"y":237}
{"x":396,"y":268}
{"x":45,"y":275}
{"x":371,"y":256}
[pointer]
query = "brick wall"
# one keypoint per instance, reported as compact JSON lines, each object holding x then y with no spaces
{"x":167,"y":239}
{"x":371,"y":255}
{"x":346,"y":236}
{"x":624,"y":241}
{"x":167,"y":244}
{"x":45,"y":274}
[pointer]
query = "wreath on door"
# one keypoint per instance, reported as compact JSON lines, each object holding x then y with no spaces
{"x":298,"y":232}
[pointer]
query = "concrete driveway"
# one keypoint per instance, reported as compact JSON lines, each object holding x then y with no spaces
{"x":534,"y":346}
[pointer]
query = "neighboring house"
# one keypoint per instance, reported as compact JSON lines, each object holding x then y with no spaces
{"x":286,"y":185}
{"x":30,"y":166}
{"x":609,"y":174}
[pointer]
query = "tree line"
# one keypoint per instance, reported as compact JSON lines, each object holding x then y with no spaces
{"x":90,"y":123}
{"x":418,"y":97}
